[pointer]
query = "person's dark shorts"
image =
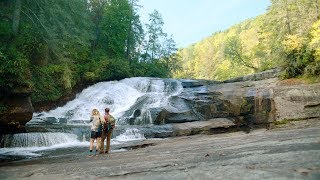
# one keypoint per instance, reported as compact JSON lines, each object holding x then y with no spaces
{"x":95,"y":134}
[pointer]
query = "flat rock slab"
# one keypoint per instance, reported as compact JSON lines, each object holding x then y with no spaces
{"x":201,"y":127}
{"x":262,"y":154}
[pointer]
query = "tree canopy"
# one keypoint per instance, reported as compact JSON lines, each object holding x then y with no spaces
{"x":287,"y":35}
{"x":50,"y":46}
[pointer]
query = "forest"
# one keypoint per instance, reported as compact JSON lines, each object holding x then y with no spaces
{"x":52,"y":46}
{"x":287,"y":36}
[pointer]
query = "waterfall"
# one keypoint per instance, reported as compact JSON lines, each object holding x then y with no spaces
{"x":29,"y":144}
{"x":132,"y":101}
{"x":37,"y":139}
{"x":122,"y":97}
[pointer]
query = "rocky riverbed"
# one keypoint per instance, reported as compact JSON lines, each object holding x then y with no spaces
{"x":290,"y":151}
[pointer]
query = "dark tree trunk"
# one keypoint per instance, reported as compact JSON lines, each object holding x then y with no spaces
{"x":16,"y":17}
{"x":129,"y":43}
{"x":97,"y":35}
{"x":317,"y":9}
{"x":287,"y":18}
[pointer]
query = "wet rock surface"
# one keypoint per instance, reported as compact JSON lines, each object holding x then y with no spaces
{"x":291,"y":152}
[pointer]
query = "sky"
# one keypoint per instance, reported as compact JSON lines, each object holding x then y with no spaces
{"x":190,"y":21}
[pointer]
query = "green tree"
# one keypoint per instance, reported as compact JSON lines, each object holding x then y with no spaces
{"x":281,"y":37}
{"x":234,"y":51}
{"x":135,"y":32}
{"x":169,"y":55}
{"x":52,"y":45}
{"x":97,"y":9}
{"x":115,"y":27}
{"x":154,"y":37}
{"x":43,"y":33}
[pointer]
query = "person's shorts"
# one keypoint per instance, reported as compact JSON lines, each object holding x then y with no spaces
{"x":95,"y":134}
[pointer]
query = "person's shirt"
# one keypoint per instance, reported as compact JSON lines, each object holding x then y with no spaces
{"x":96,"y":121}
{"x":106,"y":118}
{"x":109,"y":121}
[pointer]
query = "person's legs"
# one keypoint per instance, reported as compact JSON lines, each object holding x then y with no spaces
{"x":98,"y":144}
{"x":91,"y":147}
{"x":92,"y":138}
{"x":91,"y":144}
{"x":103,"y":137}
{"x":108,"y":140}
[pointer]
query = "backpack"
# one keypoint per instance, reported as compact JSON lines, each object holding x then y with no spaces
{"x":112,"y":120}
{"x":100,"y":126}
{"x":111,"y":123}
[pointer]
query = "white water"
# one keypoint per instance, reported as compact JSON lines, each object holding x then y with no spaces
{"x":30,"y":144}
{"x":129,"y":135}
{"x":119,"y":96}
{"x":34,"y":144}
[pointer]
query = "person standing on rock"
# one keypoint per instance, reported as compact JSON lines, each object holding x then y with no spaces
{"x":96,"y":129}
{"x":107,"y":131}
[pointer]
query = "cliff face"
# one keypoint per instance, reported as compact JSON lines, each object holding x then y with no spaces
{"x":269,"y":100}
{"x":242,"y":103}
{"x":18,"y":111}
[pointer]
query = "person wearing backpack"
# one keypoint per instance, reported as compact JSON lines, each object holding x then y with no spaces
{"x":107,"y":131}
{"x":96,"y":129}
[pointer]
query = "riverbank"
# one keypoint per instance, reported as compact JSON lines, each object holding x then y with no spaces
{"x":292,"y":151}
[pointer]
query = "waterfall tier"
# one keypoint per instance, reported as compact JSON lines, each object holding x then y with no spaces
{"x":127,"y":99}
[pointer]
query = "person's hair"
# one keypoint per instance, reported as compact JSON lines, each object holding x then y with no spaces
{"x":95,"y":112}
{"x":107,"y":110}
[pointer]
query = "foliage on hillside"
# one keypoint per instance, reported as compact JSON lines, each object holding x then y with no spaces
{"x":287,"y":35}
{"x":50,"y":46}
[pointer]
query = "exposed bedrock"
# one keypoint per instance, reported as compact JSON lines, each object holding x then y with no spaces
{"x":17,"y":110}
{"x":245,"y":103}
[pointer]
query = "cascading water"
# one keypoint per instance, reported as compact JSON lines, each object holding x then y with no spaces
{"x":29,"y":144}
{"x":130,"y":101}
{"x":120,"y":96}
{"x":129,"y":134}
{"x":37,"y":139}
